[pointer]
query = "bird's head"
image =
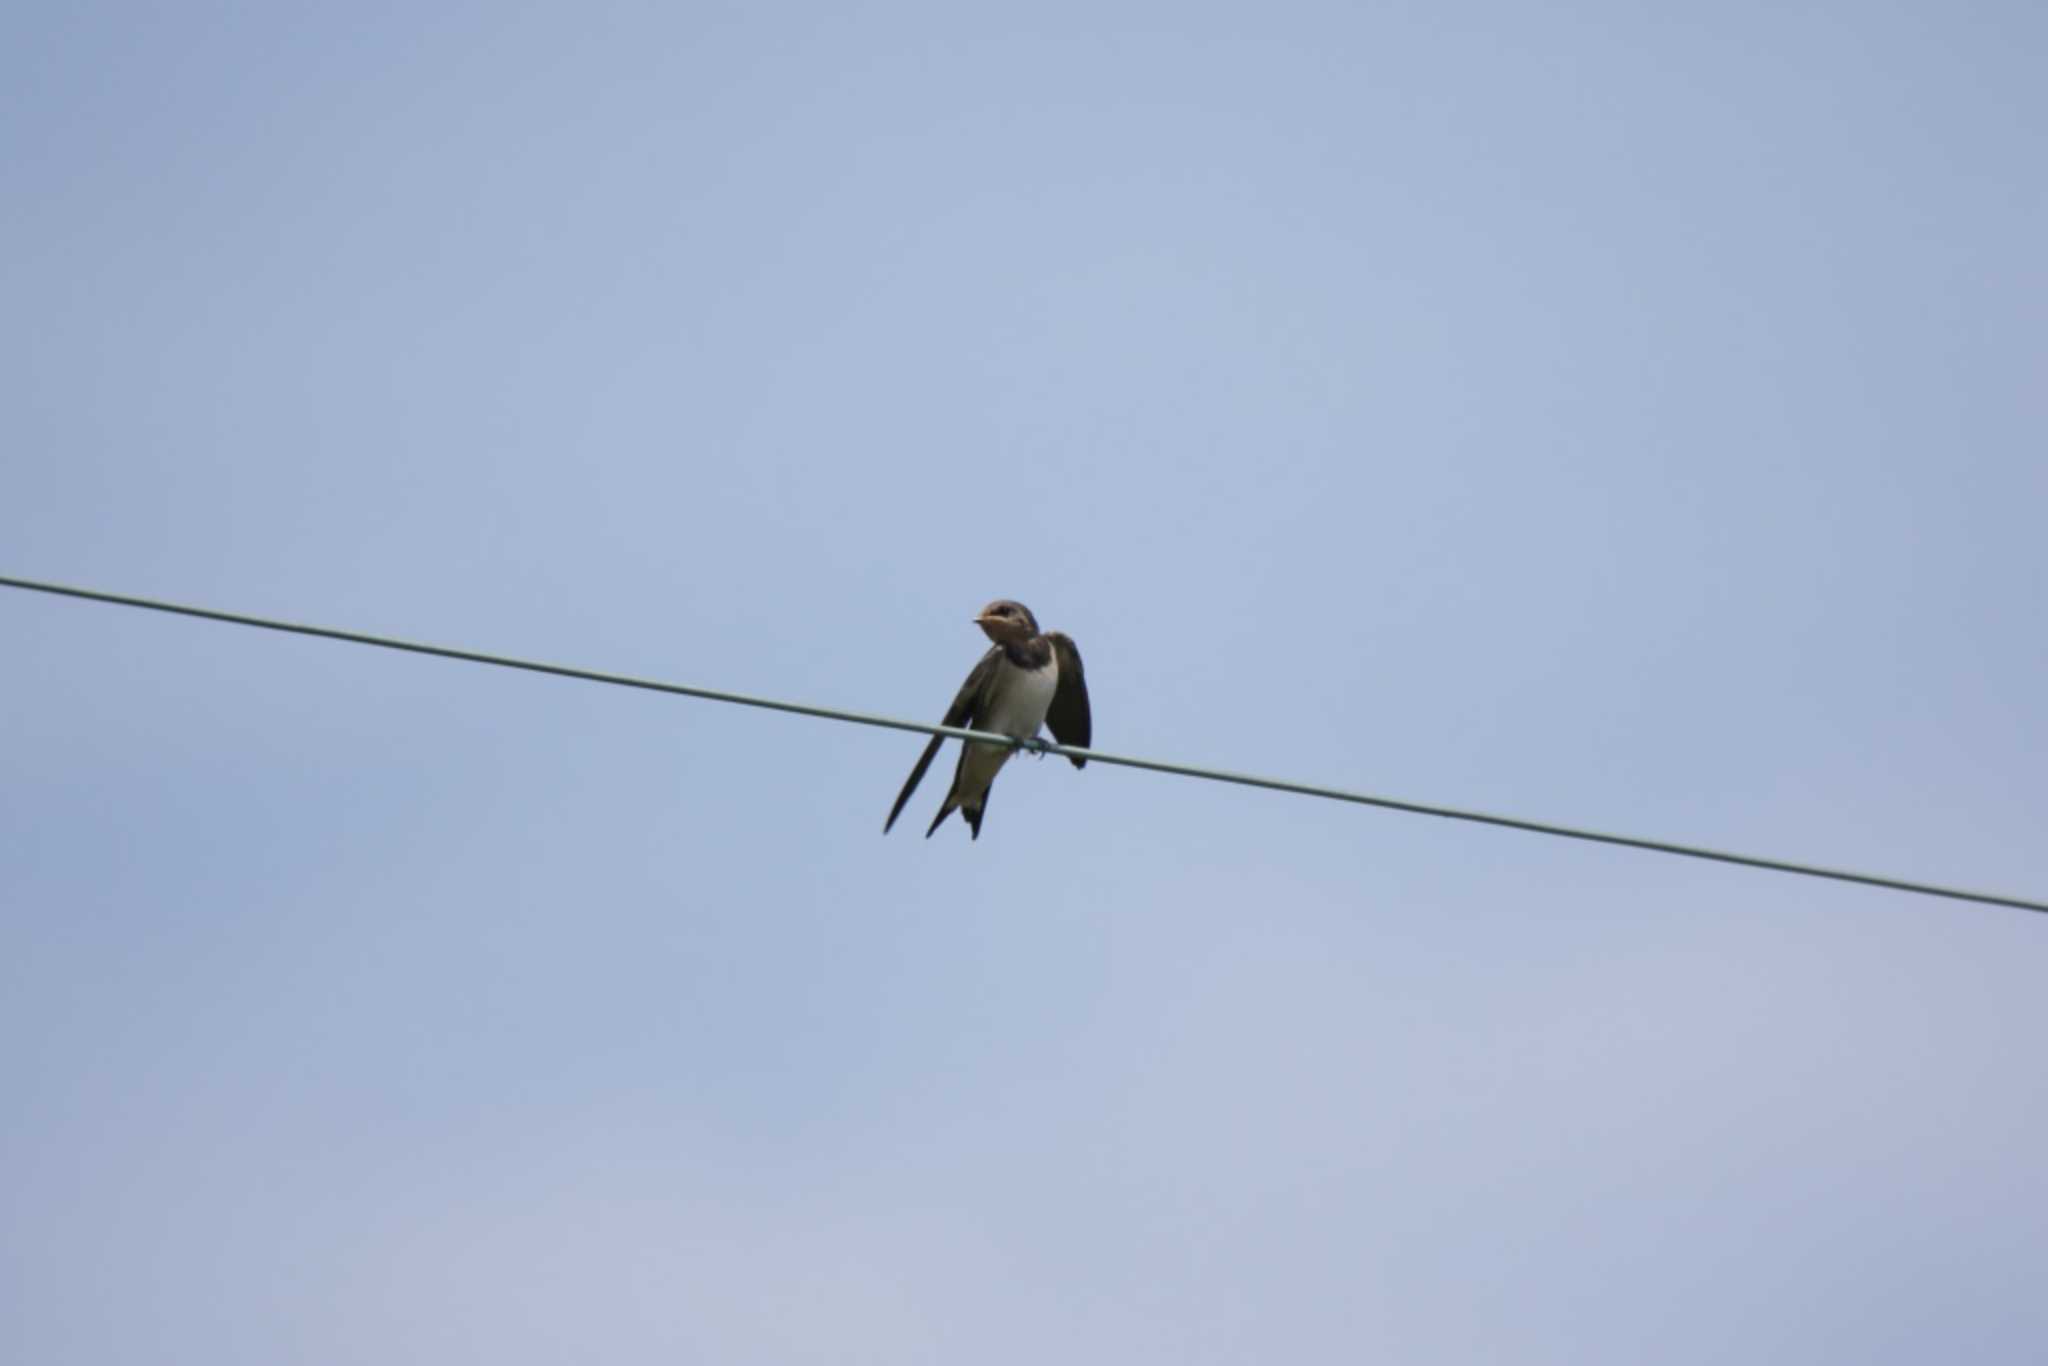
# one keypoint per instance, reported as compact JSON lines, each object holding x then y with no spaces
{"x":1006,"y":622}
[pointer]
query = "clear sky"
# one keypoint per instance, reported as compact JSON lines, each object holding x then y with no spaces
{"x":1626,"y":415}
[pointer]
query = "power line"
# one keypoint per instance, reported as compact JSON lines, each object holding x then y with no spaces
{"x":1337,"y":794}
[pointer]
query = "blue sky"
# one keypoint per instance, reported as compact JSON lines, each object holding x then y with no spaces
{"x":1609,"y":415}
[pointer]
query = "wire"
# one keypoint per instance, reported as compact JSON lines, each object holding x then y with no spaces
{"x":1337,"y":794}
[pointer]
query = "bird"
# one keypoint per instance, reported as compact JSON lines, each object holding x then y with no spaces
{"x":1027,"y":679}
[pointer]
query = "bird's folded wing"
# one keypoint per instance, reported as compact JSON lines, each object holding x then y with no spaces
{"x":961,"y":713}
{"x":1068,"y":715}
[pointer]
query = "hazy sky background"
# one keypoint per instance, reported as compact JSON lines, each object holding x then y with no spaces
{"x":1611,"y":414}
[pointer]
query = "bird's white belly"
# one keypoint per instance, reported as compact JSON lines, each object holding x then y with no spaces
{"x":1023,"y":696}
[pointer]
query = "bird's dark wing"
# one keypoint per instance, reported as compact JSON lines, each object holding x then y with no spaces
{"x":1068,"y":715}
{"x":961,"y":713}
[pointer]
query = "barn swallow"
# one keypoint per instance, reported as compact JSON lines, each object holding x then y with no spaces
{"x":1024,"y":681}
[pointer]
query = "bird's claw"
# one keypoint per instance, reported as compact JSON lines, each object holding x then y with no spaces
{"x":1037,"y":745}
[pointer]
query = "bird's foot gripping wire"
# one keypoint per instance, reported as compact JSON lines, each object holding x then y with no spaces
{"x":1038,"y":745}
